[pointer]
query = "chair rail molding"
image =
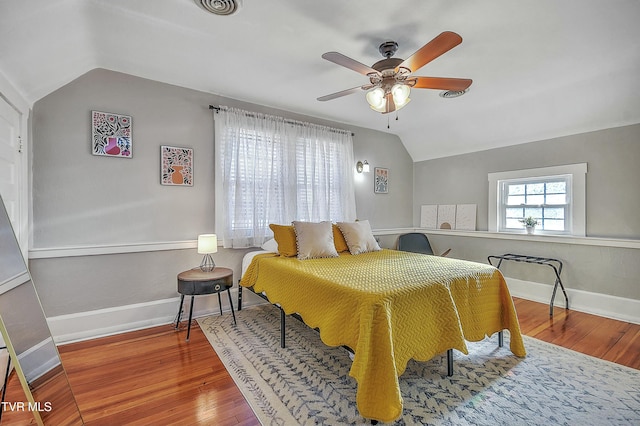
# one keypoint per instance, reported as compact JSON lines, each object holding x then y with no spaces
{"x":96,"y":250}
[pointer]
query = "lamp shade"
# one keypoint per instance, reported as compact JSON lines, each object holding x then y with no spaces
{"x":207,"y":243}
{"x":400,"y":94}
{"x":375,"y":98}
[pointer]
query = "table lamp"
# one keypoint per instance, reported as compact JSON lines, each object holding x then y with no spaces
{"x":207,"y":244}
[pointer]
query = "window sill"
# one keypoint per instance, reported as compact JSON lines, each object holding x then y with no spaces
{"x":557,"y":239}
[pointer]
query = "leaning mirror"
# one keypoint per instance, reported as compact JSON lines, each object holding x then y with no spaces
{"x":32,"y":351}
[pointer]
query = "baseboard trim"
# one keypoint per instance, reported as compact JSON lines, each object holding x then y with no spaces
{"x":604,"y":305}
{"x":105,"y":322}
{"x":38,"y":359}
{"x":109,"y":321}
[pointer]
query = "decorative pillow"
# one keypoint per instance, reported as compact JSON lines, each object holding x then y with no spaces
{"x":285,"y":236}
{"x":338,"y":239}
{"x":270,"y":245}
{"x":315,"y":240}
{"x":358,"y":236}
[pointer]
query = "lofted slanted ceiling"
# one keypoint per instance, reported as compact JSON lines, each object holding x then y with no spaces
{"x":540,"y":68}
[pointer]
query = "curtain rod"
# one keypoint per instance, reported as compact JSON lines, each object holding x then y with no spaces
{"x":218,"y":108}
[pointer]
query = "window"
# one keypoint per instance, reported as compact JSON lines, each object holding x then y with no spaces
{"x":544,"y":199}
{"x":272,"y":170}
{"x":555,"y":196}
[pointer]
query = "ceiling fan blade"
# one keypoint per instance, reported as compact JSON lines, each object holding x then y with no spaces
{"x":340,"y":94}
{"x":430,"y":51}
{"x":345,"y":61}
{"x":442,"y":83}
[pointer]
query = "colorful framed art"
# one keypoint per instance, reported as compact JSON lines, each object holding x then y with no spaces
{"x":381,"y":180}
{"x":176,"y":166}
{"x":111,"y":134}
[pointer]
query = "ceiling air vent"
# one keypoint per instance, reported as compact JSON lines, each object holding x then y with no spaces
{"x":453,"y":93}
{"x":220,"y":7}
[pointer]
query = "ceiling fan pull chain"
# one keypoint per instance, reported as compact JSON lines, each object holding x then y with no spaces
{"x":388,"y":122}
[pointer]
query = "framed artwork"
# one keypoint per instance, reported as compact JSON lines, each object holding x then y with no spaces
{"x":176,"y":166}
{"x":111,"y":134}
{"x":381,"y":180}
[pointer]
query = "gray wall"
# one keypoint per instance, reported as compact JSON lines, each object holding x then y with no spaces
{"x":613,"y":271}
{"x":612,"y":179}
{"x":85,"y":200}
{"x":613,"y":203}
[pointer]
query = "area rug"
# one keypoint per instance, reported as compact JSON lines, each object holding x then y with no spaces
{"x":308,"y":383}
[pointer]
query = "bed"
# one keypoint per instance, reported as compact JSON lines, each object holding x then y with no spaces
{"x":388,"y":307}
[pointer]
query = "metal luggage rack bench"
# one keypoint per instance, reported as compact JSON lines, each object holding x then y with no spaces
{"x":554,"y":264}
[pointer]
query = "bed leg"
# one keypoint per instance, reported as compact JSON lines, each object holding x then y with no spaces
{"x":501,"y":338}
{"x":282,"y":325}
{"x":239,"y":296}
{"x":449,"y":362}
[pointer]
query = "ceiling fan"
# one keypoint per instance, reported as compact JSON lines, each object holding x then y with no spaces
{"x":391,"y":79}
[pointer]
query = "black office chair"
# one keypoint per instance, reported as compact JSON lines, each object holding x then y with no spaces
{"x":417,"y":243}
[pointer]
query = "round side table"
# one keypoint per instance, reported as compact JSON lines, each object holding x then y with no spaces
{"x":196,"y":282}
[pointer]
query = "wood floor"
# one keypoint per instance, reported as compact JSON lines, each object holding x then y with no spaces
{"x":153,"y":376}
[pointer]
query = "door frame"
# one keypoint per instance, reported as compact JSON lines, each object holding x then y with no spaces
{"x":9,"y":94}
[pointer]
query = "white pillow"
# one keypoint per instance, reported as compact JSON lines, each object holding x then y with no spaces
{"x":314,"y":240}
{"x":358,"y":236}
{"x":270,"y":245}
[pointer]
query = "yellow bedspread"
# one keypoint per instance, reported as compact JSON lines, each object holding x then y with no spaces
{"x":389,"y":307}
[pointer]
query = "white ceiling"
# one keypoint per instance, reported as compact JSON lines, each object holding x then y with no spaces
{"x":540,"y":68}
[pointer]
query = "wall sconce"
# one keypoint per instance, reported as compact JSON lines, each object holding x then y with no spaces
{"x":362,"y":166}
{"x":207,"y":244}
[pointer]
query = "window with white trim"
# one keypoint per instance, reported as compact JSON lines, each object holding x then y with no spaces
{"x":546,"y":199}
{"x":554,"y":196}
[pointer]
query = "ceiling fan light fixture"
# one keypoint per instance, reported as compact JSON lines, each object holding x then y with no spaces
{"x":400,"y":94}
{"x":381,"y":108}
{"x":402,"y":105}
{"x":391,"y":79}
{"x":376,"y":99}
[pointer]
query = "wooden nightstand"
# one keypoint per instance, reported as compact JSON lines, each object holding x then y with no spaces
{"x":196,"y":282}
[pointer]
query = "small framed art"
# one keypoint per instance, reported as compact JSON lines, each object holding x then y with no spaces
{"x":381,"y":180}
{"x":111,"y":134}
{"x":176,"y":166}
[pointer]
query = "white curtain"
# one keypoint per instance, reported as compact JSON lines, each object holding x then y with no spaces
{"x":273,"y":170}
